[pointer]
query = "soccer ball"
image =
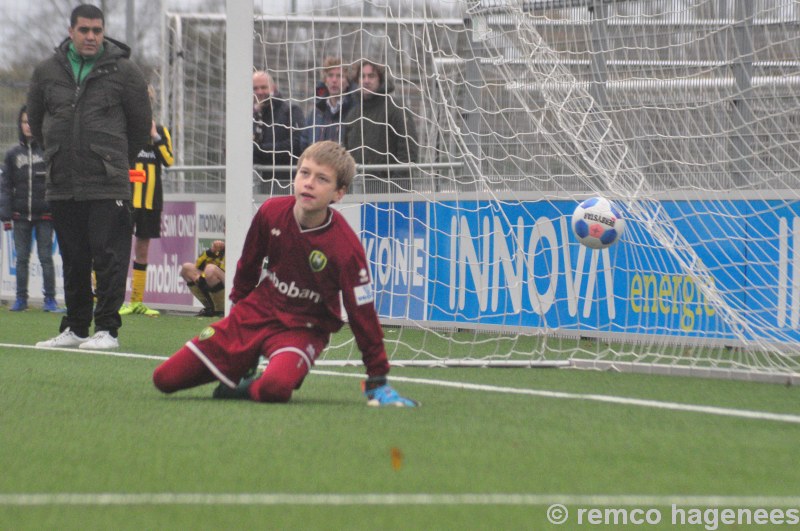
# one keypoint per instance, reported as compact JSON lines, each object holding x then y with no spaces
{"x":597,"y":223}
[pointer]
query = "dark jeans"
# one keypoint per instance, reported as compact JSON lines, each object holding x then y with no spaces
{"x":23,"y":237}
{"x":93,"y":236}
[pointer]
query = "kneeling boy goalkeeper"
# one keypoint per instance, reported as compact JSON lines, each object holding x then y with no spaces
{"x":309,"y":255}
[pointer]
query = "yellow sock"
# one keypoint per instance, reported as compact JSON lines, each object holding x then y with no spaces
{"x":138,"y":282}
{"x":217,"y":294}
{"x":201,"y":294}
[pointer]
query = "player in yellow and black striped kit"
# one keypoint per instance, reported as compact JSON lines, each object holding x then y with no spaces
{"x":148,"y":202}
{"x":206,"y":279}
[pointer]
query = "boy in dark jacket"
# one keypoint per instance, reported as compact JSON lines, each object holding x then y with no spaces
{"x":23,"y":208}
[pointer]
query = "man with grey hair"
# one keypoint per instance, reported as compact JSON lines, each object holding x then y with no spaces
{"x":277,"y":135}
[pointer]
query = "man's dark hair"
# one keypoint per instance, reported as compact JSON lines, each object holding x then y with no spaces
{"x":379,"y":69}
{"x":86,"y":11}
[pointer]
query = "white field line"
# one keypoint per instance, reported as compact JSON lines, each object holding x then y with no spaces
{"x":608,"y":399}
{"x":84,"y":351}
{"x":166,"y":498}
{"x":656,"y":404}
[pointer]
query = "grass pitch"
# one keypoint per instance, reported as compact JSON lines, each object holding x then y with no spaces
{"x":88,"y":443}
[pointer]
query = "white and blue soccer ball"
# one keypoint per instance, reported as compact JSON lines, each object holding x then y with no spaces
{"x":597,"y":223}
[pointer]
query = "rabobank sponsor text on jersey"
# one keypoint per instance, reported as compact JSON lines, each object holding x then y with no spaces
{"x":291,"y":290}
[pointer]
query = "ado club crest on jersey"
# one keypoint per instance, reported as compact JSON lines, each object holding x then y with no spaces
{"x":317,"y":260}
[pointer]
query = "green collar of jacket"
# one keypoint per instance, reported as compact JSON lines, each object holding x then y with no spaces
{"x":81,"y":66}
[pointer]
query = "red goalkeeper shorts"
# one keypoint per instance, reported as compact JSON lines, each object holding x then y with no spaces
{"x":231,"y":347}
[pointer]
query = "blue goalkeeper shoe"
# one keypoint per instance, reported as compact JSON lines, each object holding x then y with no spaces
{"x":385,"y":396}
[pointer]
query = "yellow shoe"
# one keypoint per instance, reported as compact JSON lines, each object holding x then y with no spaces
{"x":138,"y":308}
{"x":141,"y":309}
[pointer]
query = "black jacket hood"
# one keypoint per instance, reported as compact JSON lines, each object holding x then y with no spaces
{"x":125,"y":50}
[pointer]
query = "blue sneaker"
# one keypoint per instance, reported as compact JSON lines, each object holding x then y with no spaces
{"x":20,"y":305}
{"x":51,"y":306}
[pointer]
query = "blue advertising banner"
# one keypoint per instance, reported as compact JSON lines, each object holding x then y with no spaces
{"x":518,"y":264}
{"x":506,"y":264}
{"x":394,"y":237}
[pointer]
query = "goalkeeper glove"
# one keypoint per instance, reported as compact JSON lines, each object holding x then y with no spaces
{"x":380,"y":394}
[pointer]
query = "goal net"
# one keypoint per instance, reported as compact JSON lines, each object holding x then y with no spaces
{"x":685,"y":114}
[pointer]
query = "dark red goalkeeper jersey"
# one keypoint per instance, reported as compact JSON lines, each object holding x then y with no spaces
{"x":296,"y":276}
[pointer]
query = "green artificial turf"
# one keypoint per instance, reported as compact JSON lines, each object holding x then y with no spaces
{"x":78,"y":423}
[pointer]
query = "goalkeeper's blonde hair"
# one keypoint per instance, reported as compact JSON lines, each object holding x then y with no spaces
{"x":328,"y":153}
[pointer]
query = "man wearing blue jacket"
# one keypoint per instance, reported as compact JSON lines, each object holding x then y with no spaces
{"x":333,"y":100}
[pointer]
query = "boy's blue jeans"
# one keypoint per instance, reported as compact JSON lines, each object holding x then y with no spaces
{"x":24,"y":232}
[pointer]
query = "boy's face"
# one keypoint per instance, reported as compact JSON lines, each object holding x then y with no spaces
{"x":26,"y":128}
{"x":315,"y":187}
{"x":333,"y":80}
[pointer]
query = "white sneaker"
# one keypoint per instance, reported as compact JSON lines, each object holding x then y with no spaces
{"x":67,"y":338}
{"x":102,"y":340}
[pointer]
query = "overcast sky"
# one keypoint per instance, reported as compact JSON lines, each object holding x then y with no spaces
{"x":15,"y":9}
{"x":16,"y":14}
{"x":17,"y":34}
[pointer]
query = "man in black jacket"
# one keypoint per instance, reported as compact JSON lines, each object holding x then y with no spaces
{"x":277,"y":132}
{"x":88,"y":107}
{"x":378,"y":130}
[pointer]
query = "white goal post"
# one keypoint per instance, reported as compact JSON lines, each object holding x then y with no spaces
{"x":686,"y":114}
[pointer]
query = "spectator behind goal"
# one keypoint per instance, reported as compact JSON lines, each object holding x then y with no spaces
{"x":334,"y":99}
{"x":277,"y":132}
{"x":377,"y":130}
